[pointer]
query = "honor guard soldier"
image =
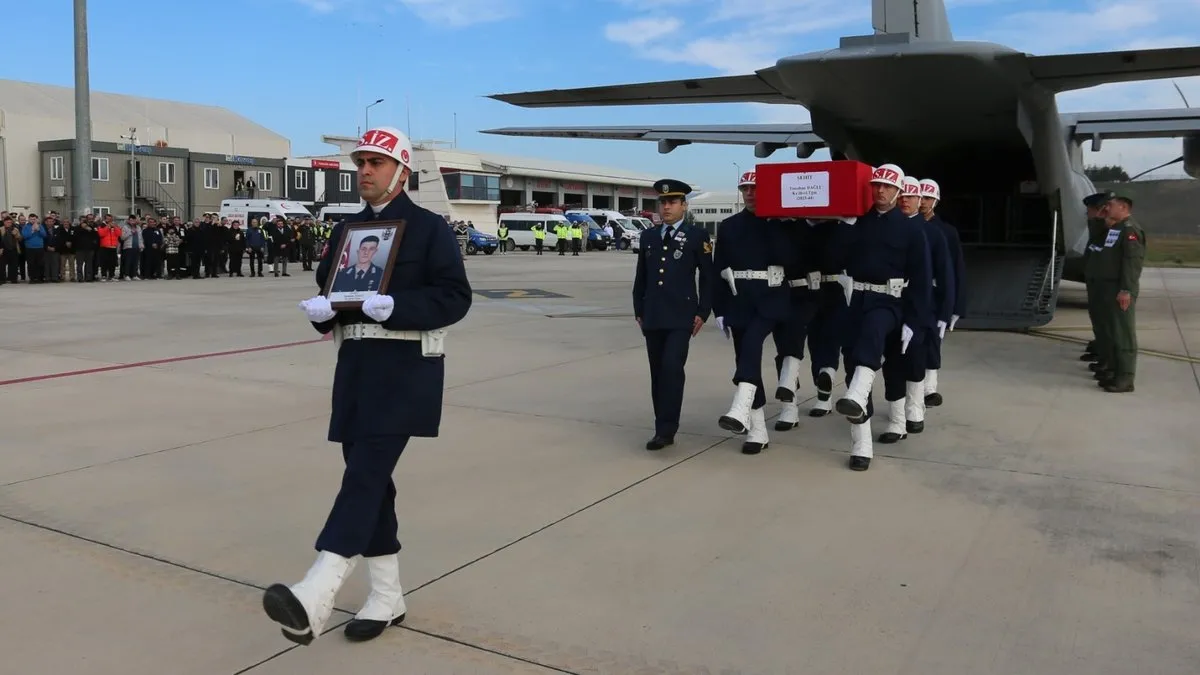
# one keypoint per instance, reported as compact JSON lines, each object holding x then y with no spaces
{"x":1097,"y":208}
{"x":904,"y":376}
{"x":804,"y":284}
{"x":1117,"y":270}
{"x":670,"y":304}
{"x":387,"y":388}
{"x":931,"y":194}
{"x":826,"y":245}
{"x":888,"y":284}
{"x":752,"y":260}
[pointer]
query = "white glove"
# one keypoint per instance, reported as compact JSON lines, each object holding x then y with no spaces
{"x":721,"y":326}
{"x":953,"y":320}
{"x":941,"y":330}
{"x":318,"y":309}
{"x":906,"y":334}
{"x":378,"y":307}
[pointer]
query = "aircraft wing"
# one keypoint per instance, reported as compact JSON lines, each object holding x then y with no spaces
{"x":1064,"y":72}
{"x":1166,"y":123}
{"x":756,"y":88}
{"x":777,"y":135}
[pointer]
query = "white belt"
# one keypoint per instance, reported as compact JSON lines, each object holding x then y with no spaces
{"x":812,"y":280}
{"x":893,"y":287}
{"x":432,"y":341}
{"x":773,"y":275}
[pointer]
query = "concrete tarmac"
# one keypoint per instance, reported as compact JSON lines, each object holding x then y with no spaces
{"x":162,"y":460}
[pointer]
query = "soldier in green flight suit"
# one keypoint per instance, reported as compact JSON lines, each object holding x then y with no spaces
{"x":1117,"y":269}
{"x":1097,"y":205}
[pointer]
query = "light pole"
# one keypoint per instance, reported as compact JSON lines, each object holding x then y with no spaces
{"x":367,"y":114}
{"x":81,"y":173}
{"x":132,"y":138}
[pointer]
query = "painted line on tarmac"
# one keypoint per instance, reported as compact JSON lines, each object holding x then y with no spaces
{"x":157,"y":362}
{"x":1147,"y":352}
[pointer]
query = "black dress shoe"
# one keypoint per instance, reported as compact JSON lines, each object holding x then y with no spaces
{"x":361,"y":630}
{"x":659,"y":442}
{"x":817,"y":412}
{"x":1088,"y":356}
{"x":933,"y":400}
{"x":891,"y":437}
{"x":914,"y":427}
{"x":285,"y":609}
{"x":1119,"y":386}
{"x":1096,"y":366}
{"x":860,"y":463}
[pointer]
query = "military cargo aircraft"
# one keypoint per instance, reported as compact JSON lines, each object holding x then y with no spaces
{"x":988,"y":131}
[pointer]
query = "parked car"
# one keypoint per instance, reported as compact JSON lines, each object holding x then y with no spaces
{"x":478,"y":241}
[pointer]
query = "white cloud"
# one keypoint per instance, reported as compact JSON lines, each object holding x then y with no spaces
{"x":640,"y":32}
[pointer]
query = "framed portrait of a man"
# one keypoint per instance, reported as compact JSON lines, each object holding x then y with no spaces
{"x":363,"y":265}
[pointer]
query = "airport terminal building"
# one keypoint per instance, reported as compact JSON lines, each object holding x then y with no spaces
{"x":475,"y":187}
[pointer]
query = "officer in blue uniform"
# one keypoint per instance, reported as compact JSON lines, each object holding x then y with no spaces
{"x":827,"y":243}
{"x":387,"y":388}
{"x":670,"y":304}
{"x":751,"y":301}
{"x":363,"y":276}
{"x":888,"y":284}
{"x":931,"y":194}
{"x":904,"y":374}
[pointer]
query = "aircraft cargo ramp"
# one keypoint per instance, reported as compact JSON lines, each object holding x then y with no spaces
{"x":1010,"y":288}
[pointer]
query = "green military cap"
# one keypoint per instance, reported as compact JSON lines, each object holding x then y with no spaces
{"x":669,"y":187}
{"x":1123,"y":196}
{"x":1097,"y":199}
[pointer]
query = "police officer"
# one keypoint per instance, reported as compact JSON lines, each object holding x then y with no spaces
{"x":753,"y":302}
{"x":387,"y":387}
{"x":908,"y":380}
{"x":1097,"y":208}
{"x":1117,"y":272}
{"x":931,"y":194}
{"x":539,"y":237}
{"x":502,"y":235}
{"x":669,"y":303}
{"x":888,"y":283}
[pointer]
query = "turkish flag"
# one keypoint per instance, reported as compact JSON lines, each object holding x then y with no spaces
{"x":344,"y":260}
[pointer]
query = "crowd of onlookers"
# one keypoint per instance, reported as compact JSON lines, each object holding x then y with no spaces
{"x":97,"y":248}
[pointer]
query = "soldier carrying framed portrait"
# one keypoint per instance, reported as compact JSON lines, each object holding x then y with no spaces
{"x":364,"y":264}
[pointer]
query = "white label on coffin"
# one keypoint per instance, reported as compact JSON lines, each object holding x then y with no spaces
{"x":804,"y":190}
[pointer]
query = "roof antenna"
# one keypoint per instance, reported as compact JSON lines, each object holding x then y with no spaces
{"x":916,"y":21}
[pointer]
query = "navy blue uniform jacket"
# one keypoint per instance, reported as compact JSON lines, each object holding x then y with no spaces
{"x":747,"y":242}
{"x":954,"y":244}
{"x":386,"y":387}
{"x":891,"y":246}
{"x":943,"y":271}
{"x":666,"y":294}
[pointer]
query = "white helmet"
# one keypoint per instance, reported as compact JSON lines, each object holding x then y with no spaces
{"x":888,"y":174}
{"x":748,"y":178}
{"x":910,"y":187}
{"x":930,"y":188}
{"x":388,"y":141}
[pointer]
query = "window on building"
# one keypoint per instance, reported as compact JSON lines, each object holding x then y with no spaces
{"x":729,"y":210}
{"x":100,"y":168}
{"x":264,"y":181}
{"x":212,"y":179}
{"x":170,"y":213}
{"x":414,"y":181}
{"x":344,"y":184}
{"x":56,"y":168}
{"x":166,"y":173}
{"x":472,"y":186}
{"x":301,"y":180}
{"x":100,"y":211}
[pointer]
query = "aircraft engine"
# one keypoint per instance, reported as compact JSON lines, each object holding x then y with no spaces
{"x":1191,"y":155}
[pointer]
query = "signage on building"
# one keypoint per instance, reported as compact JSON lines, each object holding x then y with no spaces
{"x":238,"y":159}
{"x":136,"y":149}
{"x":624,"y":190}
{"x":648,"y":192}
{"x":326,"y":164}
{"x":574,"y":187}
{"x":602,"y":189}
{"x":539,"y":184}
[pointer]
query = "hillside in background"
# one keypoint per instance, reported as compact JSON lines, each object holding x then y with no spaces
{"x":1167,"y":207}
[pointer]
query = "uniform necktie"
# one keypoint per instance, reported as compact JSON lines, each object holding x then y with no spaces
{"x":360,"y":275}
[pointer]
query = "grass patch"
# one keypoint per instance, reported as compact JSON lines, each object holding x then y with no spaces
{"x":1172,"y":251}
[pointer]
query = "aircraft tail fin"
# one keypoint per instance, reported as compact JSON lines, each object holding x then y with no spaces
{"x":922,"y":19}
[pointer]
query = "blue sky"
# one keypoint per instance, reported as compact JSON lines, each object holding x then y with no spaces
{"x":307,"y":67}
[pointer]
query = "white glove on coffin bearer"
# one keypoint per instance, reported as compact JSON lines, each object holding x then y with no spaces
{"x":379,"y":307}
{"x":906,"y":335}
{"x":722,"y":328}
{"x":318,"y":309}
{"x":953,"y":320}
{"x":942,"y":330}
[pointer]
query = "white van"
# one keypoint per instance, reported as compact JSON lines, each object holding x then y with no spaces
{"x":520,"y":228}
{"x":339,"y":211}
{"x":245,"y":210}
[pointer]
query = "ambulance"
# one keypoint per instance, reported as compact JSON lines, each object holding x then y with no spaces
{"x":244,"y":210}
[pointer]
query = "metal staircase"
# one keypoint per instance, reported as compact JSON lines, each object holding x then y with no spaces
{"x":160,"y":201}
{"x":1010,"y":288}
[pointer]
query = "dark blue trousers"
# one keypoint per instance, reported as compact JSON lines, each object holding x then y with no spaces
{"x":900,"y":369}
{"x":826,"y":330}
{"x":869,"y":329}
{"x":363,"y":518}
{"x":789,"y":335}
{"x":748,"y":350}
{"x":933,"y":351}
{"x":668,"y":352}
